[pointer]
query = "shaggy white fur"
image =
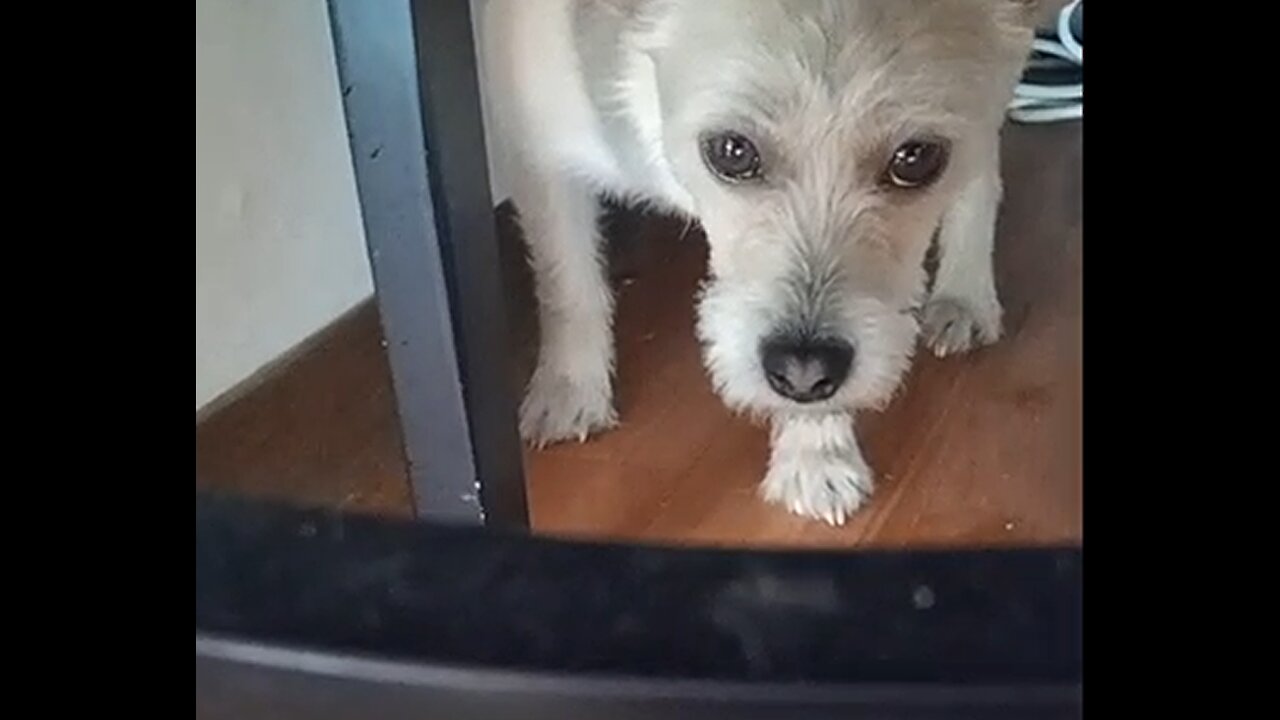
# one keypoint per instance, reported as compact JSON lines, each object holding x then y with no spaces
{"x":819,"y":240}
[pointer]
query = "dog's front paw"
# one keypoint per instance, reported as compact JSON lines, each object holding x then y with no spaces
{"x":557,"y":407}
{"x":822,"y":485}
{"x":952,"y":326}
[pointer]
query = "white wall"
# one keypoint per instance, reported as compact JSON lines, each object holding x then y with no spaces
{"x":497,"y":184}
{"x":279,"y":245}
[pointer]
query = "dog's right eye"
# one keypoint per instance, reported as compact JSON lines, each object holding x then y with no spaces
{"x":917,"y":163}
{"x":731,"y":156}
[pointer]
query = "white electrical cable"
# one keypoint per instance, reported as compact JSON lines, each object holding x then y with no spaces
{"x":1068,"y":40}
{"x":1048,"y":113}
{"x":1034,"y":103}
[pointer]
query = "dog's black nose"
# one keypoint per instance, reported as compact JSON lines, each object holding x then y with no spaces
{"x":806,"y":370}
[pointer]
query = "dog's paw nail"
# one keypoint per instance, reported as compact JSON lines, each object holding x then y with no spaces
{"x":557,"y":409}
{"x":826,"y":488}
{"x":952,"y":326}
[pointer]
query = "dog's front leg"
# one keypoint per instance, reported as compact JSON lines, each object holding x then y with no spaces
{"x":570,"y":394}
{"x":963,"y":311}
{"x":816,"y":468}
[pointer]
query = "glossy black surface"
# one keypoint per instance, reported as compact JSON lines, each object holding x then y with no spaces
{"x":464,"y":596}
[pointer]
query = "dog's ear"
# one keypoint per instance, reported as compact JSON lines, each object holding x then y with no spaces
{"x":1032,"y":13}
{"x":632,"y":8}
{"x":644,"y":20}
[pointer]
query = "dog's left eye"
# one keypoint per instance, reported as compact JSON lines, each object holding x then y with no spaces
{"x":917,"y":163}
{"x":731,"y":156}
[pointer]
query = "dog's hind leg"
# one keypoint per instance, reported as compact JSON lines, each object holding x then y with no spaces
{"x":963,"y":311}
{"x":570,"y":394}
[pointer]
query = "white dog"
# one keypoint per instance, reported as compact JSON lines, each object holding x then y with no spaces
{"x":820,"y":143}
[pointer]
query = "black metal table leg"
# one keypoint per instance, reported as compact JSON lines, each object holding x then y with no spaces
{"x":411,"y":97}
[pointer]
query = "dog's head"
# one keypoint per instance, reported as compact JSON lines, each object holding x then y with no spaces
{"x":819,"y":143}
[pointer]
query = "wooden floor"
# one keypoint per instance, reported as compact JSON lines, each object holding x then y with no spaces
{"x":977,"y":450}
